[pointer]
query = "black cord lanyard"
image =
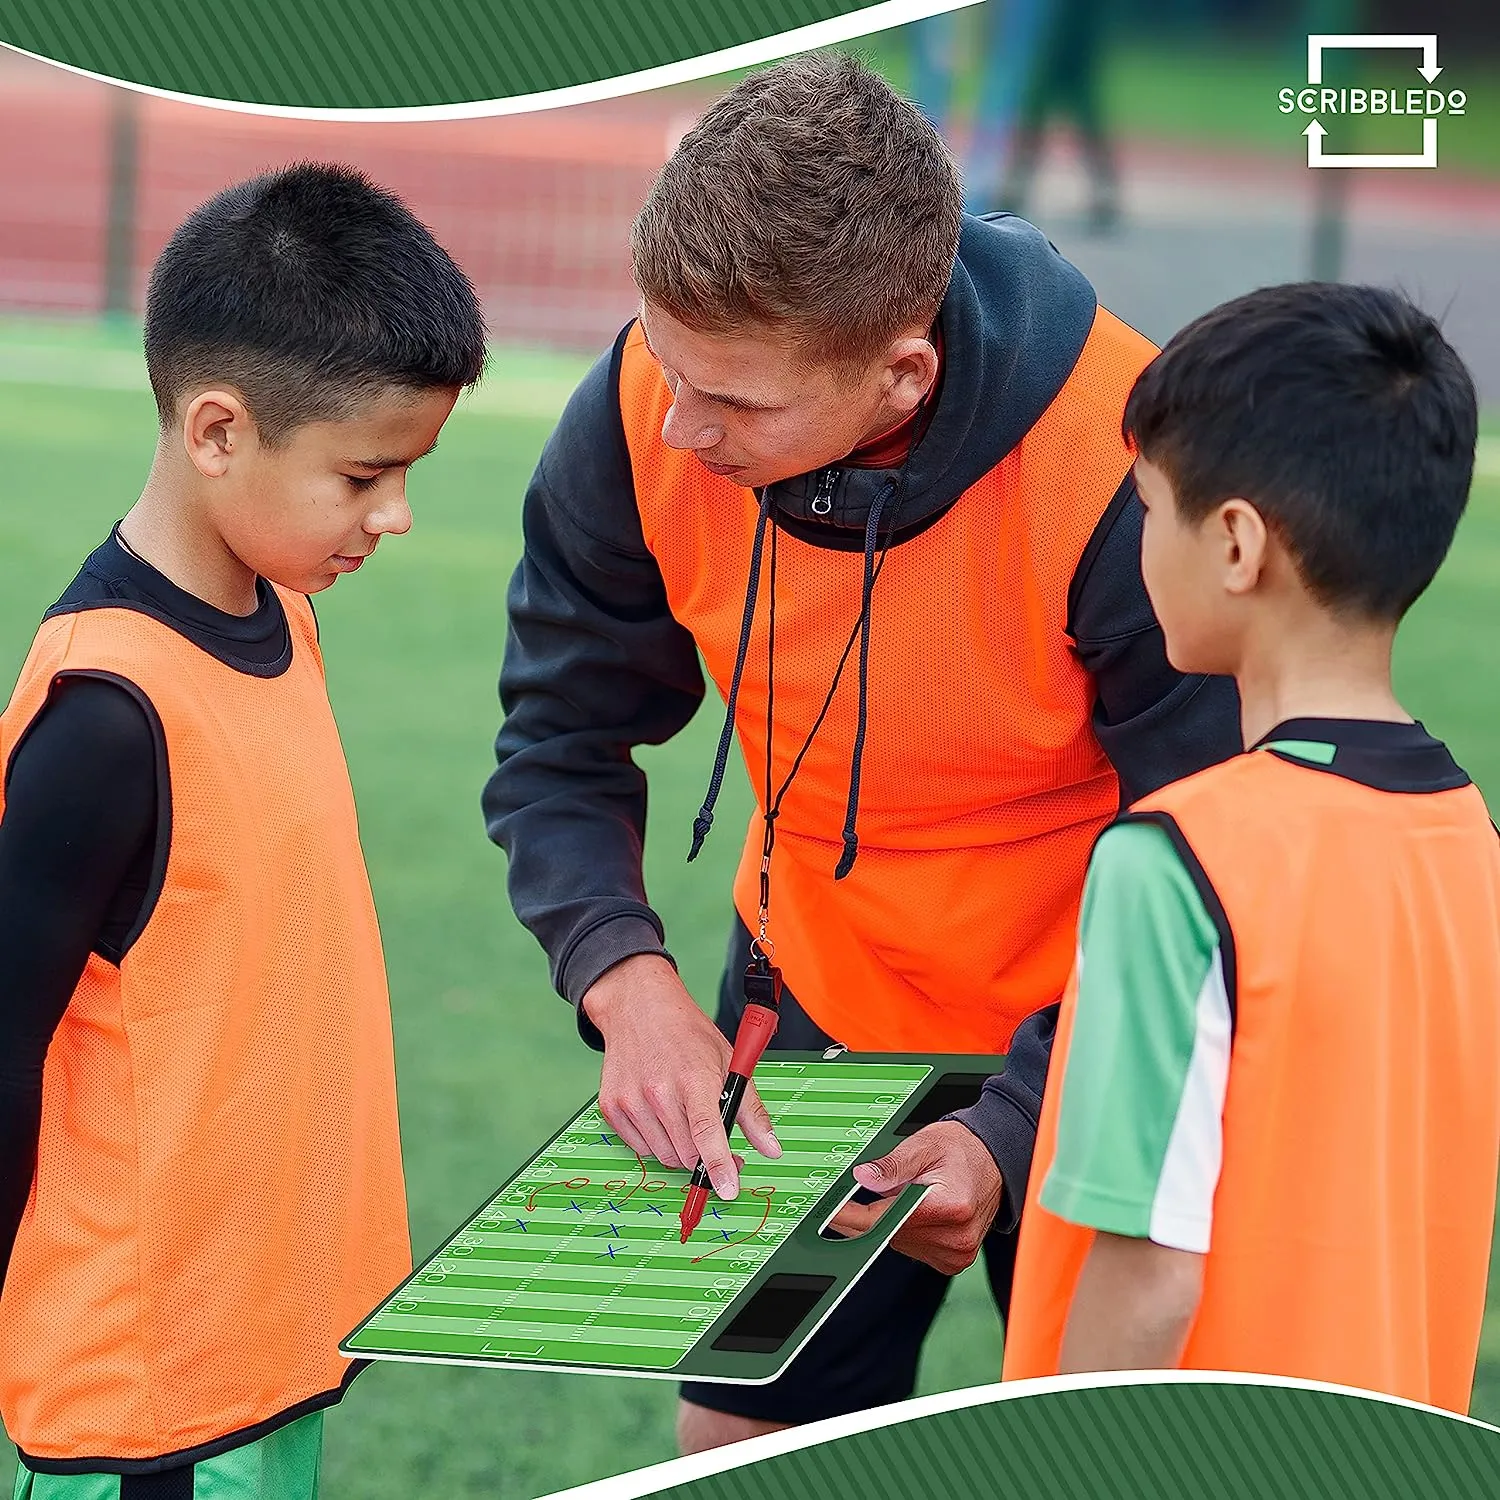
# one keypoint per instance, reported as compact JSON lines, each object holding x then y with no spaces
{"x":762,"y":948}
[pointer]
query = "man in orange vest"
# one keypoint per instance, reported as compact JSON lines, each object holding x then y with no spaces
{"x":1273,"y":1127}
{"x":864,"y":454}
{"x":200,"y":1170}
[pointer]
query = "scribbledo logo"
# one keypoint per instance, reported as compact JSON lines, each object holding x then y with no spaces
{"x":1427,"y":104}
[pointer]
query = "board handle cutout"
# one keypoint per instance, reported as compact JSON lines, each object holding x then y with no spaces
{"x":863,"y":1195}
{"x":773,"y":1314}
{"x":951,"y":1091}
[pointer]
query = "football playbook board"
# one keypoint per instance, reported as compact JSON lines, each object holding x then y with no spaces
{"x":575,"y":1263}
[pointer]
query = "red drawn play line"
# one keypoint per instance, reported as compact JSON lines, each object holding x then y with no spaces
{"x":614,"y":1182}
{"x":756,"y":1192}
{"x":571,"y":1183}
{"x":650,"y":1187}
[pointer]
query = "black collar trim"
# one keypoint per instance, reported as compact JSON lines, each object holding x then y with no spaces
{"x":257,"y":645}
{"x":1385,"y":756}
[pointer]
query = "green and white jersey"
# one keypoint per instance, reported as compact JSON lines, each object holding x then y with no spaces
{"x":1140,"y":1122}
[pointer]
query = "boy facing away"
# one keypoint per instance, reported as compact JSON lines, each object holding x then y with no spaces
{"x":200,"y":1172}
{"x":1271,"y":1138}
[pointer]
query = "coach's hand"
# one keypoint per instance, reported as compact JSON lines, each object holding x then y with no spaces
{"x":948,"y":1226}
{"x":664,"y":1067}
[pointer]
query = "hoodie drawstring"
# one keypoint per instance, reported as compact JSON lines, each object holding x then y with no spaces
{"x":851,"y":810}
{"x":705,"y":819}
{"x":874,"y":564}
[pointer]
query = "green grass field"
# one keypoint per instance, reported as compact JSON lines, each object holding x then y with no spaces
{"x":489,"y":1063}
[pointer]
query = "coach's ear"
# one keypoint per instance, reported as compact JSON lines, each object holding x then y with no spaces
{"x":216,"y":424}
{"x":909,"y":374}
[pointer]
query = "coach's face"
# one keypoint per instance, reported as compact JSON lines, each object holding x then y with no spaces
{"x":750,"y":407}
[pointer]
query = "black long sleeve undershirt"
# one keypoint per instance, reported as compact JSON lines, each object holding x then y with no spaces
{"x":75,"y":852}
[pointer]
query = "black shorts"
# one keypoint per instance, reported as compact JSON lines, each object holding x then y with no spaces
{"x":866,"y":1354}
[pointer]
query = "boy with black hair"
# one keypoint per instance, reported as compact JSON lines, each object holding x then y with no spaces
{"x":200,"y":1172}
{"x":1271,"y":1134}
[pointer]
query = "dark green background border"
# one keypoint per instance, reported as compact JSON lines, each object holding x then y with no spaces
{"x":362,"y":54}
{"x":1208,"y":1442}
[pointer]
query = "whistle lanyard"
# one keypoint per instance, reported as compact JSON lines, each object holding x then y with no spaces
{"x":762,"y":948}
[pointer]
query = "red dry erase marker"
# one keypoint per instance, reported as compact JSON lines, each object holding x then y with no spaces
{"x":757,"y":1027}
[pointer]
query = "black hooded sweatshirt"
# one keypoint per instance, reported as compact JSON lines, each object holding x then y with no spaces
{"x":595,"y":664}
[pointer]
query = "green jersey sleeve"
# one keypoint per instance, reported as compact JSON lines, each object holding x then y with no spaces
{"x":1140,"y":1122}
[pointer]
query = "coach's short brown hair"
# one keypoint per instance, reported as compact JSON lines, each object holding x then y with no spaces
{"x":811,"y":199}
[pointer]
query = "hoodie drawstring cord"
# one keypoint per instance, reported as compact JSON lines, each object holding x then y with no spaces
{"x":851,"y":811}
{"x":873,"y":566}
{"x":705,"y":819}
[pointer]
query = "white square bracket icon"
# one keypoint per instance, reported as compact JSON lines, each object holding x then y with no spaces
{"x":1429,"y":69}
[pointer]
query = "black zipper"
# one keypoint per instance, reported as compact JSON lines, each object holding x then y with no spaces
{"x":822,"y":500}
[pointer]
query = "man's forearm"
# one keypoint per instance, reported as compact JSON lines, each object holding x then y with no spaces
{"x":1134,"y":1306}
{"x":595,"y":665}
{"x":568,"y":804}
{"x":567,"y":801}
{"x":575,"y":876}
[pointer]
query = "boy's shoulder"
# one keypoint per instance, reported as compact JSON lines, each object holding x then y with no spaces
{"x":112,"y":578}
{"x":1227,"y":783}
{"x":1324,"y":763}
{"x":1318,"y":795}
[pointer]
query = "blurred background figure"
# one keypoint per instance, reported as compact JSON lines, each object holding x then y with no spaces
{"x":1066,"y":84}
{"x":1037,"y":61}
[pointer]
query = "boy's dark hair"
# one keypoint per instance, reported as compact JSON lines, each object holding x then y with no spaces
{"x":307,"y":289}
{"x":1340,"y":412}
{"x":812,"y":198}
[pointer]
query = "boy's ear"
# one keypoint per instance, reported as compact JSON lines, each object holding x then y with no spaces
{"x":215,"y":425}
{"x":1245,"y":545}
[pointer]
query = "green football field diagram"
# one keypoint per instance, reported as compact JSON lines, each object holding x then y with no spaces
{"x":576,"y":1260}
